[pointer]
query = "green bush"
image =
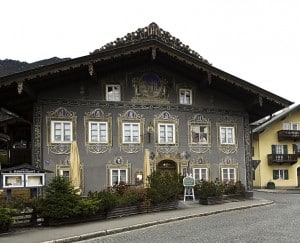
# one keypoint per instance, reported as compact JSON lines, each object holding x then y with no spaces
{"x":133,"y":195}
{"x":106,"y":200}
{"x":164,"y":186}
{"x":205,"y":189}
{"x":6,"y":218}
{"x":234,"y":188}
{"x":61,"y":200}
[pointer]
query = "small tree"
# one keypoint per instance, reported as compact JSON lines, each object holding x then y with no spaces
{"x":6,"y":218}
{"x":164,"y":186}
{"x":61,"y":200}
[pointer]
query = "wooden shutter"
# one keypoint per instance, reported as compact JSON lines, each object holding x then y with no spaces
{"x":275,"y":174}
{"x":286,"y":175}
{"x":273,"y":149}
{"x":285,"y":149}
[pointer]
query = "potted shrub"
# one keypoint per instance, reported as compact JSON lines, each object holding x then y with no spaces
{"x":209,"y":192}
{"x":270,"y":185}
{"x":234,"y":190}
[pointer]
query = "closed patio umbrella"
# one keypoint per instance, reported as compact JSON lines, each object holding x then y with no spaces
{"x":75,"y":173}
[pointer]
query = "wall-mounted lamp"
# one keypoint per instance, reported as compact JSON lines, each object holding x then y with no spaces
{"x":138,"y":178}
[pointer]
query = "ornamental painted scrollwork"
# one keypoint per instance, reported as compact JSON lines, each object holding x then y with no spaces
{"x":61,"y":130}
{"x":98,"y":131}
{"x":131,"y":130}
{"x":152,"y":31}
{"x":227,"y":135}
{"x":199,"y":134}
{"x":166,"y":133}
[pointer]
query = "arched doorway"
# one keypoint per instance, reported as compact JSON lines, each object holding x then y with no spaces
{"x":167,"y":165}
{"x":298,"y":176}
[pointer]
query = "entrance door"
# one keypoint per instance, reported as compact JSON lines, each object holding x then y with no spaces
{"x":167,"y":165}
{"x":298,"y":176}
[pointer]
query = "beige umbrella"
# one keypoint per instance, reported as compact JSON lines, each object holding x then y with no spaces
{"x":75,"y":166}
{"x":146,"y":167}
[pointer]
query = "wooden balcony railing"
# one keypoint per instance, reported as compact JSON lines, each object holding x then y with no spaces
{"x":282,"y":159}
{"x":288,"y":135}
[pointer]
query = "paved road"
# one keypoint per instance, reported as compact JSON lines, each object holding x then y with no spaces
{"x":279,"y":222}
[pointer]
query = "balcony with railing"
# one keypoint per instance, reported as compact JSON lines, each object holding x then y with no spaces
{"x":278,"y":159}
{"x":293,"y":135}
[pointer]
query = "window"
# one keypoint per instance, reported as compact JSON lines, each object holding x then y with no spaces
{"x":280,"y":174}
{"x":131,"y":133}
{"x":117,"y":176}
{"x":61,"y":131}
{"x":279,"y":149}
{"x":199,"y":134}
{"x":228,"y":174}
{"x":113,"y":92}
{"x":98,"y":132}
{"x":166,"y":133}
{"x":200,"y":174}
{"x":296,"y":148}
{"x":227,"y":135}
{"x":64,"y":172}
{"x":291,"y":126}
{"x":185,"y":96}
{"x":13,"y":180}
{"x":35,"y":180}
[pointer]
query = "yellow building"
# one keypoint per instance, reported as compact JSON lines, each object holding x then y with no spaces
{"x":276,"y":150}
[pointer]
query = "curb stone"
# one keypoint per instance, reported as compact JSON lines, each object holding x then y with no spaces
{"x":149,"y":224}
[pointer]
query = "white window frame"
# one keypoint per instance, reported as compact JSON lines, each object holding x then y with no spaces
{"x":291,"y":126}
{"x":279,"y":149}
{"x":99,"y":132}
{"x":227,"y":172}
{"x":225,"y":137}
{"x":114,"y":94}
{"x":38,"y":177}
{"x":118,"y":170}
{"x":200,"y":174}
{"x":62,"y":130}
{"x":133,"y":138}
{"x":203,"y":137}
{"x":62,"y":171}
{"x":165,"y":135}
{"x":185,"y":96}
{"x":13,"y":180}
{"x":281,"y":174}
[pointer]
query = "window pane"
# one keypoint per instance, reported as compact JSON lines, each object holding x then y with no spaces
{"x":123,"y":175}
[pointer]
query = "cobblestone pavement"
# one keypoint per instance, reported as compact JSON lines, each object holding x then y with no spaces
{"x":278,"y":222}
{"x":257,"y":220}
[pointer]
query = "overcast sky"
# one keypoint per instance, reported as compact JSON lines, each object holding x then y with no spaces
{"x":256,"y":40}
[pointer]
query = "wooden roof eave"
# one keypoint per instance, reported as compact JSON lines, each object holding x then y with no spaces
{"x":129,"y":49}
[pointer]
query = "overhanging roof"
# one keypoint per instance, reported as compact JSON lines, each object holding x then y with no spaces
{"x":142,"y":45}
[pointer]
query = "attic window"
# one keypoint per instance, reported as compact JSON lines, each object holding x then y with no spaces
{"x":185,"y":96}
{"x":113,"y":92}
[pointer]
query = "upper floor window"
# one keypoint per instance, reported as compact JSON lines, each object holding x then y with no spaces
{"x":185,"y":96}
{"x":61,"y":131}
{"x":227,"y":135}
{"x":199,"y":134}
{"x":113,"y":92}
{"x":200,"y":174}
{"x":131,"y":133}
{"x":229,"y":174}
{"x":166,"y":133}
{"x":291,"y":126}
{"x":279,"y":149}
{"x":98,"y":132}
